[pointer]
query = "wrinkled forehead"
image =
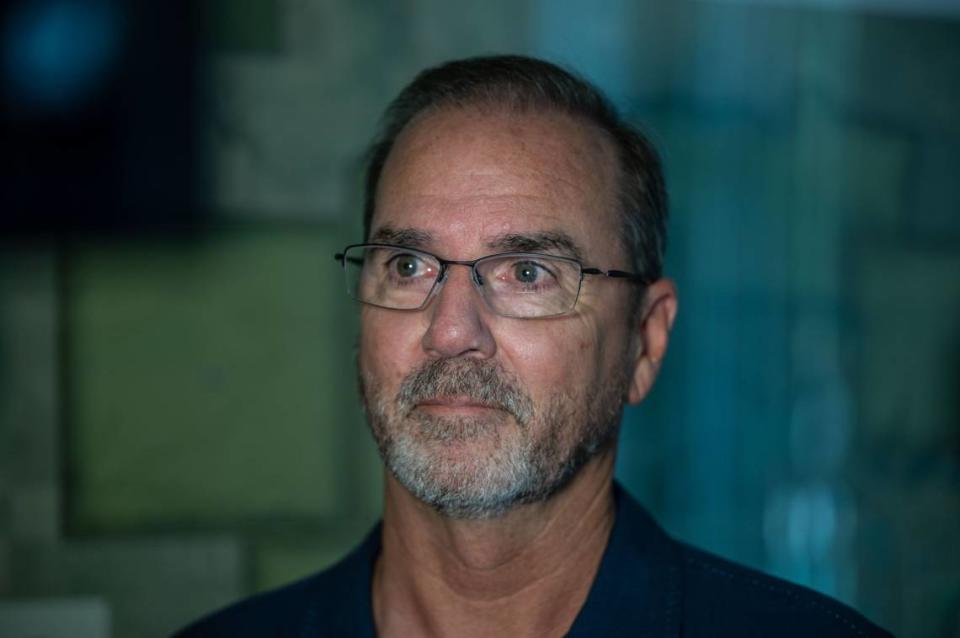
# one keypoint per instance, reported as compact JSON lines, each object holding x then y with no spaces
{"x":495,"y":174}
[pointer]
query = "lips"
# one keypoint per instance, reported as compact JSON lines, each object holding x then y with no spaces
{"x":457,"y":402}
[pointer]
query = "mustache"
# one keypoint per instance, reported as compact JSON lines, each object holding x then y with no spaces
{"x":478,"y":380}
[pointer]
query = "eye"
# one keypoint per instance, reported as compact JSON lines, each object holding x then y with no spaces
{"x":406,"y":265}
{"x":526,"y":272}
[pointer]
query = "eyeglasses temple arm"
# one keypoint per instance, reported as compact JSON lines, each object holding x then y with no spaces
{"x":342,"y":258}
{"x":620,"y":274}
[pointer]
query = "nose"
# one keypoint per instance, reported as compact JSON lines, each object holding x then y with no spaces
{"x":458,"y":319}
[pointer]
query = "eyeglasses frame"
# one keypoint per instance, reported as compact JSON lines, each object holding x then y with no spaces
{"x":478,"y":281}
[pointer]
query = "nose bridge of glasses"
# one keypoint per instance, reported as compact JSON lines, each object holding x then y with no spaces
{"x":474,"y":277}
{"x":472,"y":265}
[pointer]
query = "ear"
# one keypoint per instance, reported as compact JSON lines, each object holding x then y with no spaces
{"x":657,"y":311}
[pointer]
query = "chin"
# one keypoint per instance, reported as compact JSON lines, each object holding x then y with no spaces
{"x":457,"y":472}
{"x":478,"y":477}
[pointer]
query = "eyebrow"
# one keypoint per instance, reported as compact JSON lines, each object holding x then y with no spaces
{"x":534,"y":242}
{"x":406,"y":237}
{"x":555,"y":241}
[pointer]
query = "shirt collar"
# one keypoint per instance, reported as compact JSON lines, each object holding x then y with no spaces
{"x":637,"y":590}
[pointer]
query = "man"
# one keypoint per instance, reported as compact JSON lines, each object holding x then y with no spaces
{"x":512,"y":301}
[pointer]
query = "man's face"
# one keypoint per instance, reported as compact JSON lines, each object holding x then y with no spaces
{"x":473,"y":412}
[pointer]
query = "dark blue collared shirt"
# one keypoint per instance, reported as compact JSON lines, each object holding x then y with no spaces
{"x":648,"y":585}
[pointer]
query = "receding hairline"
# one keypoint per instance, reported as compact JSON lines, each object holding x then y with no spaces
{"x":594,"y":139}
{"x":513,"y":96}
{"x":600,"y":143}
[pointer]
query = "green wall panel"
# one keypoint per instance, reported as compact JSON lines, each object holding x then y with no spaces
{"x":210,"y":381}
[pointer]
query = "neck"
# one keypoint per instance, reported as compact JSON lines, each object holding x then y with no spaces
{"x":525,"y":573}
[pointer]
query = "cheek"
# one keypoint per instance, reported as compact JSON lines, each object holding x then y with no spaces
{"x":604,"y":334}
{"x":553,"y":358}
{"x":388,"y":347}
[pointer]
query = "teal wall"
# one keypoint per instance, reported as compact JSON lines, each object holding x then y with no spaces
{"x":178,"y":418}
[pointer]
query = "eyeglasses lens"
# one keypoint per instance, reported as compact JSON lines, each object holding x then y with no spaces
{"x":513,"y":285}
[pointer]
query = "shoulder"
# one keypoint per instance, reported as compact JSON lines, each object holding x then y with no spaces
{"x":331,"y":602}
{"x":700,"y":594}
{"x":725,"y":598}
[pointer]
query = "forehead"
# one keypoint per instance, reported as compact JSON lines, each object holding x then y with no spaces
{"x":471,"y":173}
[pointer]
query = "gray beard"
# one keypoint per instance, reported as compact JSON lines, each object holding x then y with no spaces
{"x":524,"y":459}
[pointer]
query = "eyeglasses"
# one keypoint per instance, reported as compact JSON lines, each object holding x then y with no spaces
{"x":519,"y":285}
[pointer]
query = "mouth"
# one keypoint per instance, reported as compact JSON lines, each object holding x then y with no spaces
{"x":456,"y":404}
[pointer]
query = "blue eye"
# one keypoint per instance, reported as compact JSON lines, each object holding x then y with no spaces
{"x":526,"y":272}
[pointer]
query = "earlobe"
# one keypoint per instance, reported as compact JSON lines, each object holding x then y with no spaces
{"x":653,"y":334}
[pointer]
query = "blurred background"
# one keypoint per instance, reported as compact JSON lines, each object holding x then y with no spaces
{"x":178,"y":419}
